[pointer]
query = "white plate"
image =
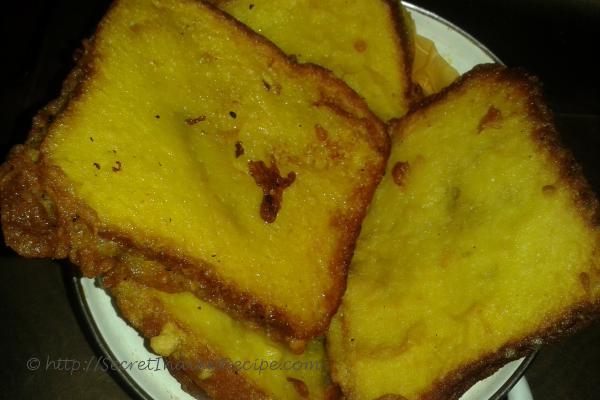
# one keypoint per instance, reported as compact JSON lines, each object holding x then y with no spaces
{"x":123,"y":345}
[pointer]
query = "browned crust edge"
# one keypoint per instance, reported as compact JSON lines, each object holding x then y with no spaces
{"x":456,"y":383}
{"x":459,"y":381}
{"x":27,"y":185}
{"x":398,"y":15}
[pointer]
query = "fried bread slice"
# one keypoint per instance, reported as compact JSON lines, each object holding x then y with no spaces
{"x":368,"y":44}
{"x":209,"y":351}
{"x":185,"y":138}
{"x":482,"y":242}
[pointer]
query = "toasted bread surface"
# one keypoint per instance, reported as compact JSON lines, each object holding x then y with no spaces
{"x":184,"y":137}
{"x":482,"y":242}
{"x":368,"y":44}
{"x":208,"y":350}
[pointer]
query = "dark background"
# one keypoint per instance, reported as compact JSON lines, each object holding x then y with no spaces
{"x":556,"y":40}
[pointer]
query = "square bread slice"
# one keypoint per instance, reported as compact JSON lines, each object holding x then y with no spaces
{"x":210,"y":352}
{"x":185,"y":138}
{"x":482,"y":242}
{"x":367,"y":43}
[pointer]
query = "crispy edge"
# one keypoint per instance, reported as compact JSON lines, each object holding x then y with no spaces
{"x":576,"y":317}
{"x":406,"y":47}
{"x":35,"y":234}
{"x":29,"y":221}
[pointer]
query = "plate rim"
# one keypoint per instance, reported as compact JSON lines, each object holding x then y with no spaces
{"x":134,"y":388}
{"x":131,"y":385}
{"x":462,"y":32}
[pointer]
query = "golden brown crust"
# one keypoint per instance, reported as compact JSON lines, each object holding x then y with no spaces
{"x":29,"y":219}
{"x":31,"y":229}
{"x":71,"y":230}
{"x":577,"y":317}
{"x":405,"y":45}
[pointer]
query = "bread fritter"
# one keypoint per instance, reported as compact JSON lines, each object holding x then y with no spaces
{"x":368,"y":44}
{"x":481,"y":243}
{"x":185,"y":138}
{"x":208,"y":350}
